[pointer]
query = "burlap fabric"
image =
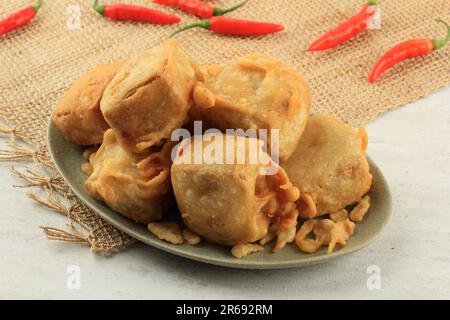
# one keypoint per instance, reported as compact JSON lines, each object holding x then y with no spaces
{"x":39,"y":62}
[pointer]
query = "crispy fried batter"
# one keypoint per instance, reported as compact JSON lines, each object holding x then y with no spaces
{"x":87,"y":168}
{"x":244,"y":249}
{"x":191,"y":238}
{"x":357,"y":214}
{"x":306,"y":244}
{"x":326,"y":232}
{"x":362,"y":134}
{"x":286,"y":228}
{"x":339,"y":215}
{"x":88,"y":152}
{"x":306,"y":206}
{"x":322,"y":230}
{"x":340,"y":234}
{"x":167,"y":231}
{"x":270,"y":235}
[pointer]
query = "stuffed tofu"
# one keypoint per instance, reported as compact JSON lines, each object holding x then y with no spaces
{"x":329,"y":166}
{"x":255,"y":92}
{"x":77,"y":115}
{"x":150,"y":96}
{"x":235,"y":201}
{"x":135,"y":185}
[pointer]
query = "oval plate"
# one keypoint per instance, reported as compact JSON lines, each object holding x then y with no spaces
{"x":68,"y":159}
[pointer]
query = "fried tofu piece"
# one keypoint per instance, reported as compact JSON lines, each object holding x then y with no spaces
{"x":329,"y":165}
{"x":255,"y":92}
{"x":135,"y":185}
{"x":150,"y":96}
{"x":235,"y":201}
{"x":77,"y":114}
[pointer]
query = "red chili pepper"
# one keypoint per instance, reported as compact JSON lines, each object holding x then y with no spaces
{"x":128,"y":12}
{"x":19,"y":19}
{"x":407,"y":50}
{"x":346,"y":30}
{"x":224,"y":25}
{"x":199,"y":8}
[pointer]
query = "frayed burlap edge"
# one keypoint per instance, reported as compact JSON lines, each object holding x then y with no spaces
{"x":35,"y":168}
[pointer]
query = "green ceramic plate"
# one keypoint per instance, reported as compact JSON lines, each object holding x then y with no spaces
{"x":68,"y":159}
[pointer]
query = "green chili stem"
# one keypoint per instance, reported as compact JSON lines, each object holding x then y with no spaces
{"x":37,"y":6}
{"x":372,"y":2}
{"x":205,"y":24}
{"x":100,"y":8}
{"x":221,"y":11}
{"x":439,"y":43}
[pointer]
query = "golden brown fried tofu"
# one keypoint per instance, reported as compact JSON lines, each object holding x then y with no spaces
{"x":150,"y":96}
{"x":329,"y":165}
{"x":135,"y":185}
{"x":254,"y":92}
{"x":235,"y":201}
{"x":78,"y":114}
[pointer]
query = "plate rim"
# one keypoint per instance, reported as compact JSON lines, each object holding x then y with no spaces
{"x":252,"y":265}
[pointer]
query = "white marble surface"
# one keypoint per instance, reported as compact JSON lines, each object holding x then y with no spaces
{"x":411,"y":146}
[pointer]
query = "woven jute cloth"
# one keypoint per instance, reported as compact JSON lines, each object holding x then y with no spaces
{"x":40,"y":61}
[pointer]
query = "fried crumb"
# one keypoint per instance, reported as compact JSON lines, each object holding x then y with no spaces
{"x":322,"y":230}
{"x":270,"y":235}
{"x":87,"y":168}
{"x":303,"y":243}
{"x":340,"y":234}
{"x":339,"y":215}
{"x":167,"y":231}
{"x":284,"y":237}
{"x":287,"y":227}
{"x":88,"y":152}
{"x":326,"y":232}
{"x":362,"y":134}
{"x":191,"y":238}
{"x":306,"y":206}
{"x":357,"y":214}
{"x":244,"y":249}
